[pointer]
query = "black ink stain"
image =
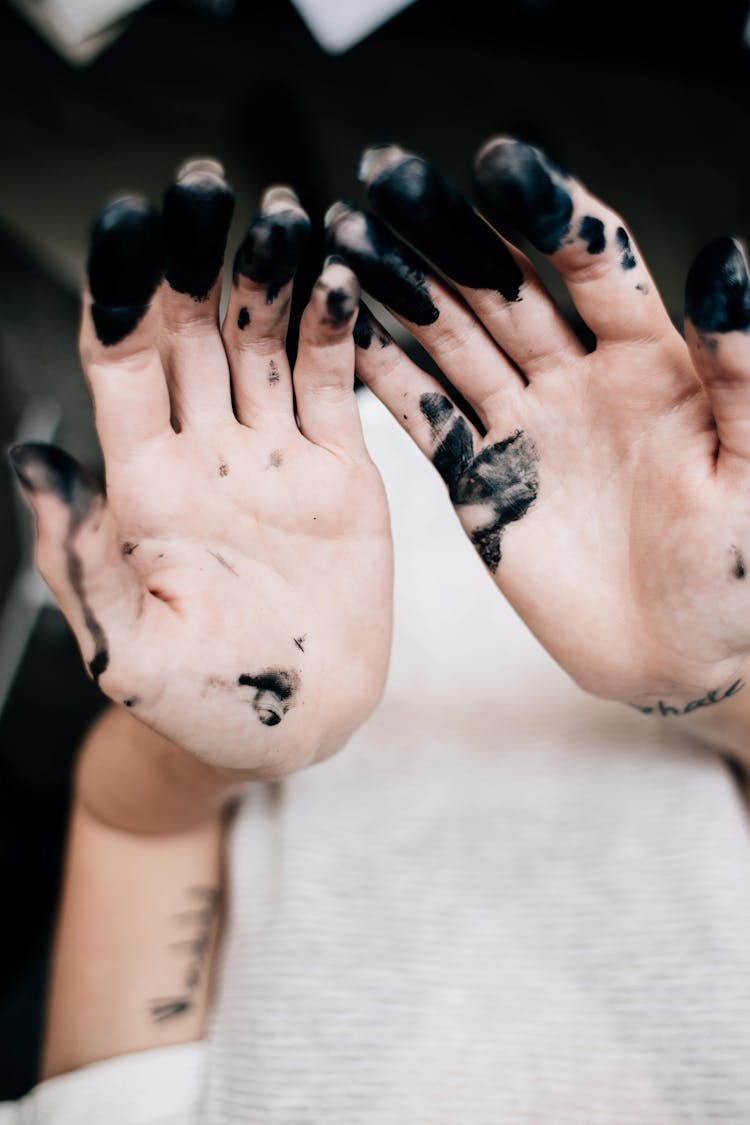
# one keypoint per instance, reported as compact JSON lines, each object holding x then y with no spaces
{"x":738,"y":570}
{"x":340,"y":305}
{"x":243,"y":319}
{"x":129,"y":548}
{"x":300,"y":642}
{"x":502,"y":478}
{"x":165,"y":1009}
{"x":125,"y":265}
{"x":223,"y":562}
{"x":365,"y":329}
{"x":591,"y":231}
{"x":627,"y":259}
{"x":717,"y":293}
{"x":520,"y":187}
{"x":386,"y":269}
{"x":274,"y":691}
{"x":273,"y":373}
{"x":223,"y":468}
{"x":643,"y":288}
{"x":272,"y":249}
{"x":197,"y":213}
{"x":440,"y":223}
{"x":132,"y":702}
{"x":276,"y":460}
{"x":45,"y":468}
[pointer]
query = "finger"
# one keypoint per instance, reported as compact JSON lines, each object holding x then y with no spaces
{"x":416,"y":400}
{"x":257,"y":317}
{"x":324,"y":371}
{"x":717,"y":327}
{"x":197,"y":213}
{"x":441,"y":322}
{"x":79,"y":553}
{"x":498,"y":282}
{"x":519,"y":187}
{"x":119,"y":329}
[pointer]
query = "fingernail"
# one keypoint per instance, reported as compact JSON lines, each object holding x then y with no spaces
{"x":440,"y":223}
{"x":198,"y":211}
{"x":717,"y":291}
{"x":519,"y":186}
{"x":272,"y":249}
{"x":200,"y":165}
{"x":376,"y":159}
{"x":46,"y":468}
{"x":125,"y":265}
{"x":281,"y":194}
{"x":385,"y":268}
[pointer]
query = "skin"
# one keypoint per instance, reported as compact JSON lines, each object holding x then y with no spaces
{"x":625,"y":563}
{"x":230,"y":528}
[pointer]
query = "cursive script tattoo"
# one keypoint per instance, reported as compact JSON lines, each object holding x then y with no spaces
{"x":203,"y":916}
{"x":663,"y":709}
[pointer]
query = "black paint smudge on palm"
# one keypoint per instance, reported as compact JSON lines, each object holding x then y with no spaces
{"x":519,"y":186}
{"x":243,"y":319}
{"x":125,"y":265}
{"x":385,"y":267}
{"x":45,"y":468}
{"x":274,"y":690}
{"x":502,"y":478}
{"x":272,"y":250}
{"x":197,"y":215}
{"x":591,"y":231}
{"x":717,"y":294}
{"x":441,"y":224}
{"x":627,"y":258}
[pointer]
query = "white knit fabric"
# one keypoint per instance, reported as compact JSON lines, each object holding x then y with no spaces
{"x":503,"y":902}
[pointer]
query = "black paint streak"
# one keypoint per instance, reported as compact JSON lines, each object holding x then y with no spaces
{"x":663,"y":709}
{"x":125,"y":265}
{"x":739,"y":569}
{"x":441,"y":224}
{"x":197,"y":215}
{"x":340,"y":305}
{"x":365,"y":328}
{"x":520,"y":187}
{"x":627,"y":259}
{"x":223,"y":468}
{"x":223,"y":562}
{"x":272,"y":249}
{"x":129,"y":548}
{"x":591,"y":231}
{"x":243,"y":319}
{"x":388,"y":270}
{"x":502,"y":478}
{"x":717,"y":293}
{"x":273,"y":373}
{"x":300,"y":642}
{"x":197,"y":946}
{"x":274,"y":690}
{"x":45,"y":468}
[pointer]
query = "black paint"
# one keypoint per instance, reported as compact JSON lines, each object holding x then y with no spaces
{"x":717,"y":294}
{"x":366,"y":329}
{"x":386,"y":268}
{"x":441,"y":224}
{"x":197,"y":214}
{"x":125,"y":265}
{"x":300,"y":642}
{"x":274,"y":690}
{"x":272,"y":250}
{"x":274,"y":375}
{"x":132,"y":702}
{"x":708,"y":700}
{"x":591,"y":231}
{"x":739,"y":570}
{"x":243,"y":319}
{"x":627,"y":259}
{"x":129,"y":548}
{"x":340,"y":306}
{"x":503,"y":478}
{"x":519,"y":186}
{"x":45,"y":468}
{"x":223,"y":468}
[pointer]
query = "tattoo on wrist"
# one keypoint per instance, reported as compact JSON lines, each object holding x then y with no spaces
{"x":663,"y":709}
{"x":202,"y":916}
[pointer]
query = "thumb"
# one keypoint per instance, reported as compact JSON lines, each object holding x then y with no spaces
{"x":78,"y":549}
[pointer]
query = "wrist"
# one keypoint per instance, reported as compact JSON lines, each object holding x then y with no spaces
{"x":131,"y":778}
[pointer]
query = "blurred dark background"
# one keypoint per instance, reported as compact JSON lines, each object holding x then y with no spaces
{"x":649,"y":104}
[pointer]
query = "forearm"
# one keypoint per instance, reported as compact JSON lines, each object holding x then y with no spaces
{"x":140,"y":908}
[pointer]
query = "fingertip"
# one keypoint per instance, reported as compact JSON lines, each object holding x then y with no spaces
{"x":717,"y":289}
{"x":125,"y":265}
{"x":335,"y":296}
{"x":198,"y":209}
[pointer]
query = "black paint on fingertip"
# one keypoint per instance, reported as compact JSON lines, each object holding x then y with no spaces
{"x":197,"y":216}
{"x":437,"y":409}
{"x":125,"y":266}
{"x":385,"y":268}
{"x":591,"y":231}
{"x":366,"y":330}
{"x":627,"y":258}
{"x":47,"y":468}
{"x":519,"y":186}
{"x":340,"y":306}
{"x":274,"y":692}
{"x":440,"y":223}
{"x":717,"y":292}
{"x":272,"y":250}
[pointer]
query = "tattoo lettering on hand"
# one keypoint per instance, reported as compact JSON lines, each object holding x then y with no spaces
{"x":501,"y":481}
{"x":274,"y":691}
{"x":715,"y":696}
{"x":203,"y":916}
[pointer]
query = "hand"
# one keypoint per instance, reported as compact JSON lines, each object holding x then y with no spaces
{"x":606,"y":491}
{"x":233,"y":589}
